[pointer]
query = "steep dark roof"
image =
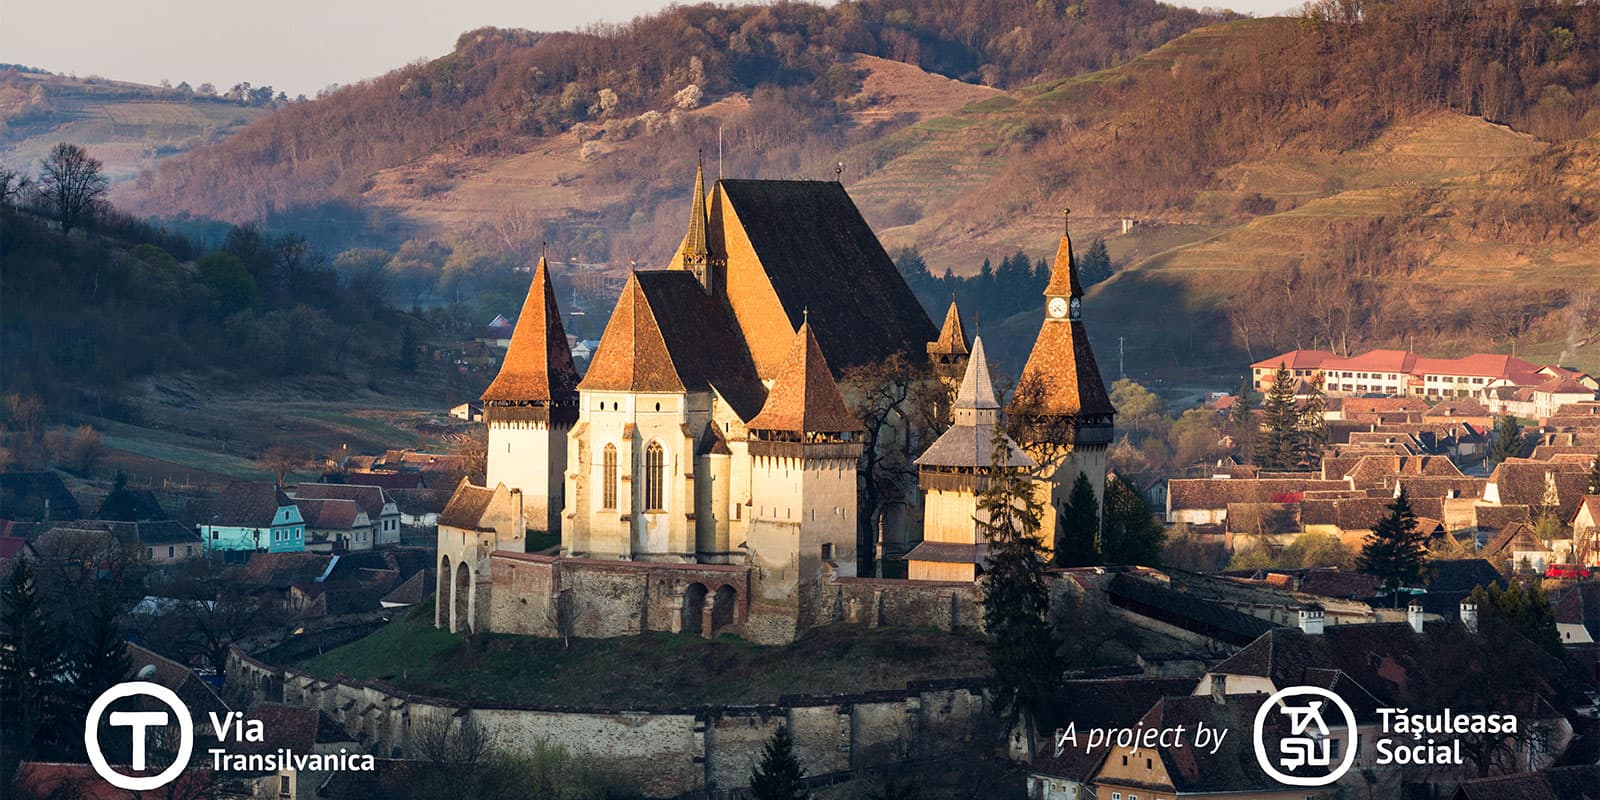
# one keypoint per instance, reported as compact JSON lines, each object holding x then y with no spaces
{"x":39,"y":496}
{"x":370,"y":498}
{"x":1090,"y":704}
{"x":952,"y":339}
{"x":411,"y":592}
{"x":466,"y":507}
{"x":804,"y":397}
{"x":538,"y":363}
{"x":819,"y":254}
{"x":143,"y":502}
{"x":1559,"y":783}
{"x":329,"y":514}
{"x":667,"y":335}
{"x":1163,"y":602}
{"x":246,"y":504}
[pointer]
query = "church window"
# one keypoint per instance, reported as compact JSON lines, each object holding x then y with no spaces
{"x":654,"y":476}
{"x":609,"y":467}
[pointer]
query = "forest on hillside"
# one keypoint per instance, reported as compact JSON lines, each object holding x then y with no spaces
{"x":498,"y":87}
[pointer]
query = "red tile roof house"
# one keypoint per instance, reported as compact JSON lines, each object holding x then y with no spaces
{"x":334,"y":525}
{"x":1302,"y":364}
{"x":380,"y":506}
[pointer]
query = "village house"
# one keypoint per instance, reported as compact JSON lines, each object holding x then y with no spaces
{"x":380,"y":507}
{"x":1303,"y":365}
{"x":155,"y":542}
{"x":335,"y":526}
{"x":252,"y":516}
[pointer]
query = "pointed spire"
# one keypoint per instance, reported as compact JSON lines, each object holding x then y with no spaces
{"x":632,"y":355}
{"x":804,"y":396}
{"x":695,"y":249}
{"x":1064,"y":272}
{"x":977,"y":387}
{"x":538,"y":364}
{"x":952,"y":339}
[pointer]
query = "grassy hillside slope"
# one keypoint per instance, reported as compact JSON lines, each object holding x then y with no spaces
{"x":128,"y":126}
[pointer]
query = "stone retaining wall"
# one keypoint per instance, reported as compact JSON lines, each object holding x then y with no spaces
{"x":699,"y":751}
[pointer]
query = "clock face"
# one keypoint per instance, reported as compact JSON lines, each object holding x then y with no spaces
{"x":1058,"y":307}
{"x":1077,"y":308}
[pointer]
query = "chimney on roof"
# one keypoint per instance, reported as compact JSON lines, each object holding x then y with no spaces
{"x":1219,"y":688}
{"x":1469,"y":616}
{"x":1414,"y":616}
{"x":1312,"y":620}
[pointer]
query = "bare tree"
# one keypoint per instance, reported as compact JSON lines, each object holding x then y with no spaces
{"x":13,"y":184}
{"x":72,"y":184}
{"x":281,"y":460}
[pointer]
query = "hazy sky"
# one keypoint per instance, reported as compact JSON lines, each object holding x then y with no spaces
{"x":293,"y":45}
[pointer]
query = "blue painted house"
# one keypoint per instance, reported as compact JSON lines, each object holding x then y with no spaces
{"x":250,"y":516}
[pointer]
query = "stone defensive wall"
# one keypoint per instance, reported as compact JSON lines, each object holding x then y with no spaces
{"x":687,"y":752}
{"x":539,"y":595}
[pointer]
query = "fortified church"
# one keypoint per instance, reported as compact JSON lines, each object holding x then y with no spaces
{"x":702,"y":474}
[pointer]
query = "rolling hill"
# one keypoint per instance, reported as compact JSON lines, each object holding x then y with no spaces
{"x":128,"y":126}
{"x":1393,"y":179}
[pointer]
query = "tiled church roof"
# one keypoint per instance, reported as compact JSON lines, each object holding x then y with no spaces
{"x":538,"y":363}
{"x":820,"y":255}
{"x":952,"y":339}
{"x":667,"y":335}
{"x":804,"y":398}
{"x":1061,"y":377}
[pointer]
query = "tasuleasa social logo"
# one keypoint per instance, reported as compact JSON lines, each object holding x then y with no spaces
{"x":1309,"y":741}
{"x":138,"y":722}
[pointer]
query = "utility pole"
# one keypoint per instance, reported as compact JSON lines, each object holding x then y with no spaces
{"x":1121,"y":373}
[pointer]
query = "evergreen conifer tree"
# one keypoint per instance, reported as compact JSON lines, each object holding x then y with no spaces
{"x":1277,"y":447}
{"x":779,"y":776}
{"x":100,"y":659}
{"x":1016,"y":598}
{"x":1507,"y":440}
{"x":1131,"y":534}
{"x":32,"y":666}
{"x":1312,"y":427}
{"x":1395,"y":550}
{"x":1594,"y":476}
{"x":1245,"y":426}
{"x":1078,"y":527}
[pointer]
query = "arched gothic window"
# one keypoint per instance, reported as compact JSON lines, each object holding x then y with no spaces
{"x":608,"y":495}
{"x":654,"y":476}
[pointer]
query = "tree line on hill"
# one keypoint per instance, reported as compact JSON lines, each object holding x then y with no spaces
{"x":499,"y":86}
{"x":995,"y":293}
{"x":93,"y":297}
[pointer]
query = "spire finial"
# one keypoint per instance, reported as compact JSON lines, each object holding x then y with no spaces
{"x":1066,"y":221}
{"x":542,"y":245}
{"x":838,"y":172}
{"x":805,"y":315}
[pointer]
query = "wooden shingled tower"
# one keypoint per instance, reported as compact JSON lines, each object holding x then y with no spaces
{"x":537,"y":375}
{"x":805,"y":402}
{"x":532,"y":404}
{"x":1061,"y":408}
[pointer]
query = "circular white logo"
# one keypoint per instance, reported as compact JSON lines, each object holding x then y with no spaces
{"x":1309,"y":741}
{"x":138,"y":721}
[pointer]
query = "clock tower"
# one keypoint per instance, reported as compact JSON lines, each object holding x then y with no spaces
{"x":1061,"y":409}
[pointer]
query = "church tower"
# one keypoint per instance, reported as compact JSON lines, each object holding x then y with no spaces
{"x":803,"y":449}
{"x":1060,"y":406}
{"x":951,"y":473}
{"x":694,"y":254}
{"x":947,"y":355}
{"x":531,"y":405}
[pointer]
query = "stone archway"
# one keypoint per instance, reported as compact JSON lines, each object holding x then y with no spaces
{"x":723,"y":608}
{"x":694,"y":607}
{"x":461,"y":612}
{"x":442,"y":596}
